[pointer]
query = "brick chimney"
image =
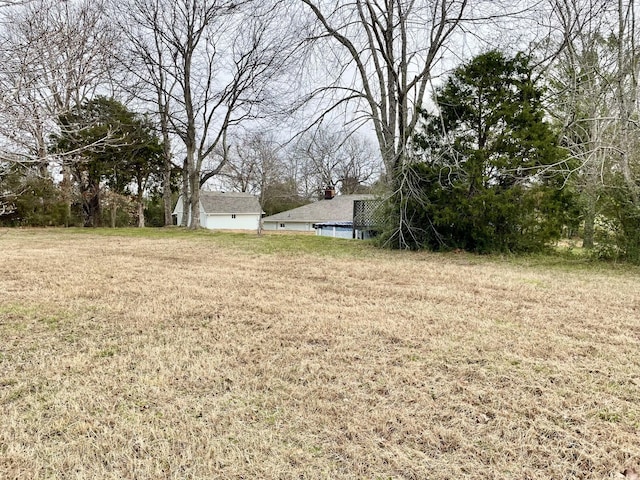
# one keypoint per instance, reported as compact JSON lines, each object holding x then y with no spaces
{"x":329,"y":192}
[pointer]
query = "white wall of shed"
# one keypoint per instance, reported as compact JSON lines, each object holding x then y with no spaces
{"x":178,"y":211}
{"x":225,"y":221}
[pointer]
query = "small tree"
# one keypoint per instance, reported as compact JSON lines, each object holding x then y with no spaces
{"x":484,"y":176}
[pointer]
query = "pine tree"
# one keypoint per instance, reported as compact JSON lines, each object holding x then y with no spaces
{"x":483,"y":180}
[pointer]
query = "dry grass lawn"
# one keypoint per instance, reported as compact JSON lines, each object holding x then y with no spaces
{"x":181,"y":356}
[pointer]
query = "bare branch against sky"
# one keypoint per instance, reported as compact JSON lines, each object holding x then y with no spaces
{"x":379,"y":57}
{"x":54,"y":55}
{"x":210,"y":63}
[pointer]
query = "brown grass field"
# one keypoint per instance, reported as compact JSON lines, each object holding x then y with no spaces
{"x":198,"y":356}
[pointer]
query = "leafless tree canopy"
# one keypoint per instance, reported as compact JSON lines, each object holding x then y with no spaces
{"x":334,"y":159}
{"x":254,"y":162}
{"x":384,"y":53}
{"x":210,"y":63}
{"x":324,"y":158}
{"x":594,"y":96}
{"x":54,"y":55}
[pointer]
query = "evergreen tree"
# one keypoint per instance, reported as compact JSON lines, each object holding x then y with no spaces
{"x":28,"y":199}
{"x":482,"y":180}
{"x":108,"y":145}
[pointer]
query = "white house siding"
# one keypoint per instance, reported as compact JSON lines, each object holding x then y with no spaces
{"x":227,"y":222}
{"x":288,"y":226}
{"x":179,"y":211}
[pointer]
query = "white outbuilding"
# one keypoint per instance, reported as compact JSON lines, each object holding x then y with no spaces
{"x":225,"y":211}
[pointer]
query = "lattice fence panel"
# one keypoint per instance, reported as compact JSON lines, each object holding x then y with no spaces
{"x":368,"y":214}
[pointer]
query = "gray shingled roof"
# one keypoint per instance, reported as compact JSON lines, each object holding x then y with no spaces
{"x":338,"y":209}
{"x":229,"y":202}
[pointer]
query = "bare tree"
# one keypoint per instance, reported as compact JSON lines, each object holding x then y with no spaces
{"x":628,"y":101}
{"x":360,"y":166}
{"x":386,"y":52}
{"x":148,"y":60}
{"x":582,"y":96}
{"x":211,"y":61}
{"x":317,"y":152}
{"x":255,"y":162}
{"x":54,"y":55}
{"x":336,"y":159}
{"x":594,"y":85}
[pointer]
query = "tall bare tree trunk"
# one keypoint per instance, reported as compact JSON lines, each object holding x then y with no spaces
{"x":166,"y":190}
{"x":210,"y":62}
{"x":140,"y":208}
{"x":65,"y":188}
{"x":166,"y":153}
{"x":194,"y":200}
{"x":186,"y":197}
